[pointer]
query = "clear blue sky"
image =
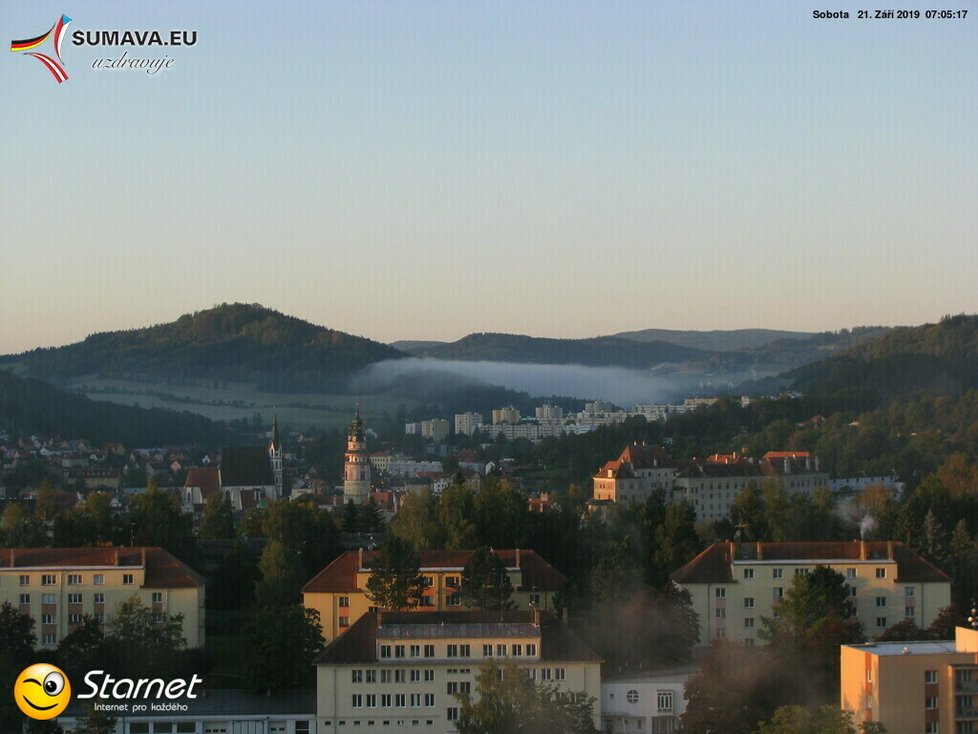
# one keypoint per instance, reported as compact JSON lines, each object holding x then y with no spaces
{"x":428,"y":169}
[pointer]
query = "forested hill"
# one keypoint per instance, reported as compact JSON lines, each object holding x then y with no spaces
{"x":929,"y":360}
{"x":598,"y":351}
{"x":30,"y":406}
{"x":234,"y":343}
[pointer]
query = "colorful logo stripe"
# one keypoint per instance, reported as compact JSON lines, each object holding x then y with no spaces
{"x":55,"y":67}
{"x":28,"y":43}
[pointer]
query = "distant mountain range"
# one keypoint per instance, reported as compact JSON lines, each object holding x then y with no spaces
{"x":232,"y":342}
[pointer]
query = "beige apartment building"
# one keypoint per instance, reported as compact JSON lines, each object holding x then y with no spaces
{"x":914,"y":687}
{"x":733,"y":584}
{"x":338,"y":592}
{"x":637,"y":472}
{"x":57,"y":587}
{"x":399,"y":672}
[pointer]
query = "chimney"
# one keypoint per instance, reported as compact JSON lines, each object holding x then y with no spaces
{"x":889,"y":549}
{"x":360,"y":558}
{"x":144,"y":556}
{"x":380,"y":617}
{"x":563,"y":614}
{"x":536,"y":616}
{"x":760,"y":551}
{"x":862,"y":550}
{"x":517,"y":557}
{"x":117,"y":556}
{"x":808,"y":463}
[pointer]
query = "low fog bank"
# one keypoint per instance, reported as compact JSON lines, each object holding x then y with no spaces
{"x":625,"y":387}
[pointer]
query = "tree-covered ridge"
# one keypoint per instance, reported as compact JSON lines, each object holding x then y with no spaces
{"x":933,"y":359}
{"x":596,"y":351}
{"x":232,"y":342}
{"x":31,"y":406}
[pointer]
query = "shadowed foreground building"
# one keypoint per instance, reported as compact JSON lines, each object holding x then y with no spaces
{"x":914,"y":687}
{"x":398,"y":672}
{"x":733,"y":585}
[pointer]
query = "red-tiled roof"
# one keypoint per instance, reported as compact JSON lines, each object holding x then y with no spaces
{"x":163,"y":570}
{"x":205,"y":477}
{"x":341,"y":574}
{"x":712,"y":565}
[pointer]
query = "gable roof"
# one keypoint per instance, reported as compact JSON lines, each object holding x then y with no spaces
{"x":163,"y":570}
{"x":246,"y":466}
{"x":341,"y":574}
{"x":205,"y":477}
{"x":713,"y":564}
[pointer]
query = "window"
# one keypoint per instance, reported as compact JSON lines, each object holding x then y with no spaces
{"x":415,"y":676}
{"x":451,"y":582}
{"x":487,"y":651}
{"x":74,"y":579}
{"x":429,"y":700}
{"x":909,"y":591}
{"x":427,"y":581}
{"x":881,"y":601}
{"x":371,"y":676}
{"x":455,"y":600}
{"x":930,"y":676}
{"x":749,"y":642}
{"x":546,"y":673}
{"x":852,"y":591}
{"x":356,"y":676}
{"x":47,"y":619}
{"x":429,"y":651}
{"x":371,"y":700}
{"x":427,"y":601}
{"x":415,"y":651}
{"x":25,"y":580}
{"x":399,"y":676}
{"x":632,"y":696}
{"x":98,"y":597}
{"x":517,"y":649}
{"x":400,"y":700}
{"x":98,"y":579}
{"x":465,"y":687}
{"x":881,"y":621}
{"x":48,"y":579}
{"x":881,"y":573}
{"x":721,"y":613}
{"x":49,"y":639}
{"x":932,"y":727}
{"x":720,"y":593}
{"x":802,"y":571}
{"x":385,"y":651}
{"x":464,"y":651}
{"x":559,"y":673}
{"x":127,"y":579}
{"x":748,"y":573}
{"x":452,"y":713}
{"x":777,"y":573}
{"x":531,"y":650}
{"x":344,"y":601}
{"x":343,"y":621}
{"x":910,"y":612}
{"x":535,"y":599}
{"x":850,"y":573}
{"x":157,"y":597}
{"x":415,"y":700}
{"x":748,"y":602}
{"x":429,"y":675}
{"x":453,"y":651}
{"x":663,"y":700}
{"x":385,"y":700}
{"x":501,"y":651}
{"x":749,"y":622}
{"x":451,"y":688}
{"x":930,"y":702}
{"x":399,"y":651}
{"x":74,"y":598}
{"x":778,"y":592}
{"x":357,"y":701}
{"x":25,"y":598}
{"x":48,"y":599}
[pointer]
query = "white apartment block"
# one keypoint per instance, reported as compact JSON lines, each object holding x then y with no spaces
{"x":733,"y":584}
{"x":467,"y":423}
{"x":400,"y":672}
{"x":650,"y":703}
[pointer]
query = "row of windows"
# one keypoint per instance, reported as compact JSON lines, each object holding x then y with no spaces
{"x":393,"y":700}
{"x":358,"y":675}
{"x":74,"y":579}
{"x":371,"y":722}
{"x":778,"y":573}
{"x":458,"y":650}
{"x":76,"y":598}
{"x":190,"y":727}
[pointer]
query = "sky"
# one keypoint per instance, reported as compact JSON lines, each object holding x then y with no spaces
{"x":424,"y":170}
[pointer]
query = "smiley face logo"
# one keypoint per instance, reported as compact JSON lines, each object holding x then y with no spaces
{"x":42,"y":691}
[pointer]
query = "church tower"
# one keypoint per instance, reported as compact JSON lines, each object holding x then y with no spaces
{"x":275,"y":456}
{"x":356,"y":470}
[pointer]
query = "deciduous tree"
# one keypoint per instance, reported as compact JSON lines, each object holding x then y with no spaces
{"x":395,"y":581}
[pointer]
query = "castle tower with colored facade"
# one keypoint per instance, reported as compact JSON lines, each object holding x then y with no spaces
{"x":356,"y":470}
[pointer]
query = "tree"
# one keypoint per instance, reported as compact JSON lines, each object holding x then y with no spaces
{"x":901,"y":631}
{"x":281,"y":643}
{"x":801,"y":720}
{"x":485,"y":581}
{"x":395,"y":582}
{"x":417,"y":521}
{"x":217,"y":520}
{"x":81,"y":648}
{"x":281,"y":575}
{"x":156,"y":519}
{"x":143,"y":642}
{"x":17,"y":640}
{"x":944,"y":624}
{"x":510,"y":703}
{"x":96,"y":722}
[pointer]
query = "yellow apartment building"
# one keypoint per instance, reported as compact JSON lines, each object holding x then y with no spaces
{"x":733,"y":584}
{"x":914,"y":687}
{"x":56,"y":587}
{"x":399,"y":672}
{"x":338,"y":592}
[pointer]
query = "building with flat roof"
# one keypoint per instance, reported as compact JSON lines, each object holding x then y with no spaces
{"x":913,"y":687}
{"x":56,"y":587}
{"x":399,"y":672}
{"x":338,"y":592}
{"x":653,"y":702}
{"x":733,"y":584}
